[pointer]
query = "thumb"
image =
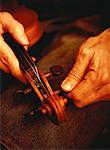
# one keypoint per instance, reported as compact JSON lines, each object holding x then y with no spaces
{"x":77,"y":72}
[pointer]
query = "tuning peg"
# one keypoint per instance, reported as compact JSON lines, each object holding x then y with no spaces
{"x":20,"y":94}
{"x":55,"y":70}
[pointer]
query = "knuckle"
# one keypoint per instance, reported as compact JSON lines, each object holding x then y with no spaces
{"x":6,"y":15}
{"x":90,"y":39}
{"x":5,"y":59}
{"x":87,"y":47}
{"x":105,"y":78}
{"x":86,"y":42}
{"x":104,"y":32}
{"x":83,"y":51}
{"x":75,"y":95}
{"x":93,"y":79}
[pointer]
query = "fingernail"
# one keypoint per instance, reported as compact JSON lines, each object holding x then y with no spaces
{"x":33,"y":58}
{"x":26,"y":47}
{"x":66,"y":85}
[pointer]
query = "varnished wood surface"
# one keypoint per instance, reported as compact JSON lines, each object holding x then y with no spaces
{"x":82,"y":126}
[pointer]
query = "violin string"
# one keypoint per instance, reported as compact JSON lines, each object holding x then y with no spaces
{"x":35,"y":70}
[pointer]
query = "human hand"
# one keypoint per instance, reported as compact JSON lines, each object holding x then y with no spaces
{"x":8,"y":61}
{"x":89,"y":79}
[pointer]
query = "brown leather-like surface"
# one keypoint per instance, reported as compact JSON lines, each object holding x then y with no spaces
{"x":82,"y":125}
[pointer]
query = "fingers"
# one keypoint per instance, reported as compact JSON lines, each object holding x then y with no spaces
{"x":78,"y":70}
{"x":87,"y":92}
{"x":89,"y":80}
{"x":14,"y":27}
{"x":9,"y":60}
{"x":83,"y":94}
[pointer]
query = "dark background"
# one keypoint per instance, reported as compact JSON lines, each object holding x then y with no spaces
{"x":58,"y":8}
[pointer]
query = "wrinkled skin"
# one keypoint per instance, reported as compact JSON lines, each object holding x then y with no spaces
{"x":89,"y":79}
{"x":8,"y":61}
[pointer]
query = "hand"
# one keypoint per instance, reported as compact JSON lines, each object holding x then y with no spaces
{"x":8,"y":61}
{"x":89,"y":79}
